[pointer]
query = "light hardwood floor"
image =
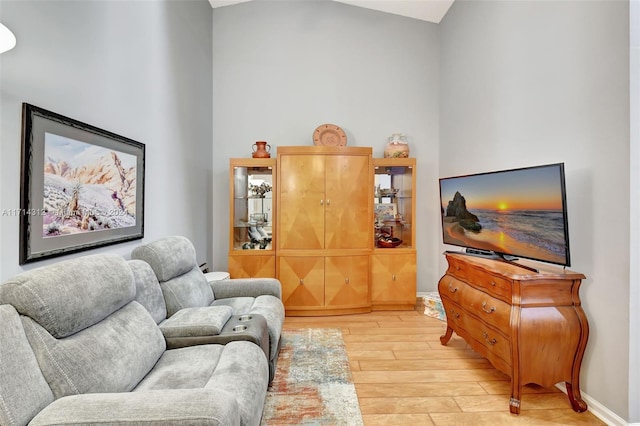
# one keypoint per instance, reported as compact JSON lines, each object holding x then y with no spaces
{"x":404,"y":376}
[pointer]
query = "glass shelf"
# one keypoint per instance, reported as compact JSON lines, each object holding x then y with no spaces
{"x":394,"y":182}
{"x":252,"y":209}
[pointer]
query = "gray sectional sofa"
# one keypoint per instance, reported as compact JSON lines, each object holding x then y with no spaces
{"x":79,"y":345}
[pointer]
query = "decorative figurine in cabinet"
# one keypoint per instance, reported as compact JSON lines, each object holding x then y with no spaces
{"x":394,"y":257}
{"x":251,"y":246}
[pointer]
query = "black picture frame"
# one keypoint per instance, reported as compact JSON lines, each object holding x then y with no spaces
{"x":81,"y":187}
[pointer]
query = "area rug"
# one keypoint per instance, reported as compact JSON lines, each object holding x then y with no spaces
{"x":313,"y":384}
{"x":433,"y":306}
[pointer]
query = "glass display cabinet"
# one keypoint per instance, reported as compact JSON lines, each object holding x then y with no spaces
{"x":394,"y":260}
{"x":394,"y":202}
{"x":251,"y":245}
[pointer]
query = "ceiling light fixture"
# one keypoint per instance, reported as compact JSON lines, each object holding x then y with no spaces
{"x":7,"y":39}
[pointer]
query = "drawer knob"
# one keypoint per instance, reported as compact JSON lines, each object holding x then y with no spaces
{"x":489,"y":311}
{"x":493,"y":283}
{"x":486,"y":339}
{"x":346,"y":280}
{"x":452,"y":289}
{"x":301,"y":281}
{"x":393,"y":277}
{"x":454,"y":313}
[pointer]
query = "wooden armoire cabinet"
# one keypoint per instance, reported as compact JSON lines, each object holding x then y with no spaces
{"x":314,"y":218}
{"x":324,"y":229}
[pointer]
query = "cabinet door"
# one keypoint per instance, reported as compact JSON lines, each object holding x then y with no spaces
{"x":252,"y":266}
{"x":302,"y":279}
{"x":346,"y":281}
{"x":393,"y":279}
{"x":302,"y":194}
{"x":347,"y":211}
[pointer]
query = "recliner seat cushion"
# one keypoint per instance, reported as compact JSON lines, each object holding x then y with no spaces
{"x":239,"y":368}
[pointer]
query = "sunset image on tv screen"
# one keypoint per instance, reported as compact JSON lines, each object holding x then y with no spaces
{"x":517,"y":212}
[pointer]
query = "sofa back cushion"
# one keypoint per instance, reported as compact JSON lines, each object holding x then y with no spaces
{"x":190,"y":290}
{"x":23,"y":389}
{"x":148,"y":291}
{"x":173,"y":259}
{"x":69,"y":296}
{"x":86,"y":330}
{"x":111,"y":356}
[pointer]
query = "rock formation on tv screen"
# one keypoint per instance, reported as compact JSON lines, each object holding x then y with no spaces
{"x":457,"y":209}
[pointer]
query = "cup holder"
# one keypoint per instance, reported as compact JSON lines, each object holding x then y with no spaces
{"x":239,"y":328}
{"x":245,"y":318}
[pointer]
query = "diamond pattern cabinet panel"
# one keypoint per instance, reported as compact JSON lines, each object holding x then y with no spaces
{"x":393,"y":279}
{"x":252,"y":266}
{"x":346,"y":281}
{"x":302,"y":200}
{"x":302,"y":280}
{"x":348,"y":204}
{"x":325,"y":229}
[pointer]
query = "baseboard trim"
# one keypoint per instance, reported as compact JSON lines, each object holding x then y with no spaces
{"x":599,"y":410}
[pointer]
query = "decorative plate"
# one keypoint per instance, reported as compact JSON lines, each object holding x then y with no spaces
{"x":329,"y":135}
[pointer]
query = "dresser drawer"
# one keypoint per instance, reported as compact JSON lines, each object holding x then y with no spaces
{"x":497,"y":286}
{"x":493,"y":341}
{"x":451,"y":288}
{"x":487,"y":308}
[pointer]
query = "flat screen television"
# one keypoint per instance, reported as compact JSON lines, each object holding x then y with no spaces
{"x":510,"y":214}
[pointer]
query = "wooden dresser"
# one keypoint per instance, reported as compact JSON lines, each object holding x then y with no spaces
{"x":530,"y":325}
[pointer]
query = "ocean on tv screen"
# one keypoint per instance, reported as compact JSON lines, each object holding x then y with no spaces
{"x":519,"y":212}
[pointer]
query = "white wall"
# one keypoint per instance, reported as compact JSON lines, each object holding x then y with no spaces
{"x":281,"y":68}
{"x":526,"y":83}
{"x":634,"y":211}
{"x":138,"y":69}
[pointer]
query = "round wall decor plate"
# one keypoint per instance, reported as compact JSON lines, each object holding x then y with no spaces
{"x":329,"y":135}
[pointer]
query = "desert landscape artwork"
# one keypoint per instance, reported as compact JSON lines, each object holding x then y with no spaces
{"x":86,"y":187}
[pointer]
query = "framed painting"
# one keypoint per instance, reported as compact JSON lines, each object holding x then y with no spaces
{"x":81,"y":187}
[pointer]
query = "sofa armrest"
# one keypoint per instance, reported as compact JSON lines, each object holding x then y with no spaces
{"x":196,"y":322}
{"x":246,"y":287}
{"x":159,"y":407}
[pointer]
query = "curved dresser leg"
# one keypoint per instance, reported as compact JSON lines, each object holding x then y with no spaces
{"x":575,"y":398}
{"x":514,"y":401}
{"x":444,"y":339}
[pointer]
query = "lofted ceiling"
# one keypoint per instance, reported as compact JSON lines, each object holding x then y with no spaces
{"x":425,"y":10}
